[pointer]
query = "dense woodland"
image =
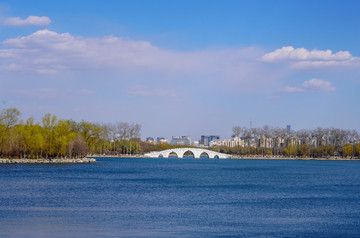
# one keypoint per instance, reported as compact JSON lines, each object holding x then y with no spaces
{"x":53,"y":137}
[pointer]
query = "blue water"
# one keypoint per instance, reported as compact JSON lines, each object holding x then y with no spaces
{"x":181,"y":198}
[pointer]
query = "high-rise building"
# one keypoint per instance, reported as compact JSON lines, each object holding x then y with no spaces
{"x":288,"y":129}
{"x":206,"y":139}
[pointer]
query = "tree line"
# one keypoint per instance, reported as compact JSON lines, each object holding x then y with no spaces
{"x":348,"y":150}
{"x":53,"y":137}
{"x":334,"y":136}
{"x":320,"y":142}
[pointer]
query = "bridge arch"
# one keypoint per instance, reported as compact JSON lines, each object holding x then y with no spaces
{"x":173,"y":154}
{"x":204,"y":154}
{"x":181,"y":152}
{"x":188,"y":153}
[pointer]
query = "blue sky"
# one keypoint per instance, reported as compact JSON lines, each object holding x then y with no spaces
{"x":183,"y":67}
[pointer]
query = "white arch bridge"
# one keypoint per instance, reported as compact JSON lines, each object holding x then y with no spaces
{"x":180,"y":152}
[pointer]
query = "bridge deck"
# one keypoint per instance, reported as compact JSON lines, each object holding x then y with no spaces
{"x":197,"y":152}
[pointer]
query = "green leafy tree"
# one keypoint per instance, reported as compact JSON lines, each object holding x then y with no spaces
{"x":304,"y":150}
{"x":290,"y":150}
{"x":348,"y":150}
{"x":14,"y":141}
{"x":8,"y":119}
{"x":49,"y":122}
{"x":329,"y":150}
{"x":357,"y":149}
{"x":93,"y":135}
{"x":63,"y":136}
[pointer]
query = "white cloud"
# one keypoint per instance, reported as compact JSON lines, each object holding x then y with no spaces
{"x":234,"y":69}
{"x":312,"y":85}
{"x":289,"y":52}
{"x":301,"y":58}
{"x":50,"y":52}
{"x":30,"y":21}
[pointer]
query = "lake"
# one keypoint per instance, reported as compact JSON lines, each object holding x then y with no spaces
{"x":143,"y":197}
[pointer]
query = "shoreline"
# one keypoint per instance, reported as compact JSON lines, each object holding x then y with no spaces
{"x":92,"y":159}
{"x":243,"y":157}
{"x":47,"y":161}
{"x":297,"y":158}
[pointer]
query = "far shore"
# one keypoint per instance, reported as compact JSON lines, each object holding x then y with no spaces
{"x":47,"y":161}
{"x":241,"y":157}
{"x":296,"y":158}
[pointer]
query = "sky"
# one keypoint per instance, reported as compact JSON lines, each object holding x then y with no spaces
{"x":183,"y":67}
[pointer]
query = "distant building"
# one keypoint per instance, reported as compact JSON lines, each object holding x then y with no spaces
{"x":233,"y":142}
{"x":288,"y":129}
{"x":206,"y":139}
{"x":180,"y":140}
{"x":250,"y":142}
{"x":162,"y":140}
{"x":196,"y":143}
{"x":262,"y":141}
{"x":293,"y":141}
{"x":278,"y":142}
{"x":150,"y":140}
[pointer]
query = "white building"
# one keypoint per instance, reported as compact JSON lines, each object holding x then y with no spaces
{"x":236,"y":141}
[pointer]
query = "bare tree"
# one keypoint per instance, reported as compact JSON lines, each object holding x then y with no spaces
{"x":237,"y":130}
{"x":266,"y":131}
{"x":338,"y":137}
{"x":279,"y":132}
{"x":135,"y":131}
{"x":122,"y":130}
{"x":78,"y":147}
{"x":8,"y":119}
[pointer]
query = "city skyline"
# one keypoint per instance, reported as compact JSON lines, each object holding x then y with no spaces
{"x":241,"y":133}
{"x":183,"y":68}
